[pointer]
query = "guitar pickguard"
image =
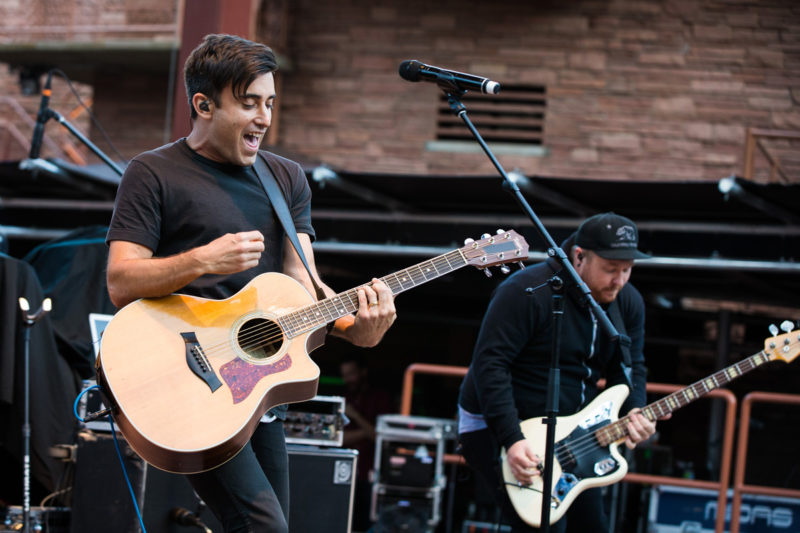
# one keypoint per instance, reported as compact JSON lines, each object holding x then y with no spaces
{"x":581,"y":456}
{"x":242,"y":377}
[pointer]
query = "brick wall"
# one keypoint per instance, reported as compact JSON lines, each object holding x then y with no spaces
{"x":131,"y":107}
{"x":23,"y":21}
{"x":129,"y":101}
{"x":649,"y":89}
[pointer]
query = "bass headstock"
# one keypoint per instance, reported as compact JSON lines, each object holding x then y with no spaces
{"x":785,"y":346}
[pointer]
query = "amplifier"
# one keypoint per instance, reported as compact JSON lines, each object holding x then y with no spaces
{"x":417,"y":427}
{"x":100,"y":497}
{"x":319,"y":421}
{"x":321,"y":488}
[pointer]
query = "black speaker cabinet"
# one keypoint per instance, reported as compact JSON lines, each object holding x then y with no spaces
{"x":101,"y":500}
{"x":321,"y":487}
{"x":321,"y":484}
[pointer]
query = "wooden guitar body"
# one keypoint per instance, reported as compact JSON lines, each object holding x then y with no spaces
{"x":171,"y":416}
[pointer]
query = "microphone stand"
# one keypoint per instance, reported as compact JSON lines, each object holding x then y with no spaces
{"x":28,"y":320}
{"x":454,"y":94}
{"x":49,"y":113}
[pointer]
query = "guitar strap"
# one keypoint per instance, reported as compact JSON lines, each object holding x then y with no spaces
{"x":278,"y":201}
{"x":624,"y":343}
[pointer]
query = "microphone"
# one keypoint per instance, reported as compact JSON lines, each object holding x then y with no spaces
{"x":41,"y":118}
{"x":413,"y":70}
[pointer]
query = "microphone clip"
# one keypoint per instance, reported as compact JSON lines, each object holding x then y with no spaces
{"x":29,"y":319}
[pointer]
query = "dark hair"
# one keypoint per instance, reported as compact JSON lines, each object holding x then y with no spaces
{"x":225,"y":60}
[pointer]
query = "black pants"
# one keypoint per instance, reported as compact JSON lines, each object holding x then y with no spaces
{"x":250,"y":493}
{"x":482,"y":452}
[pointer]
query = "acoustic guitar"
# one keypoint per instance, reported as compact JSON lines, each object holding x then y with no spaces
{"x":188,"y":378}
{"x":586,"y":453}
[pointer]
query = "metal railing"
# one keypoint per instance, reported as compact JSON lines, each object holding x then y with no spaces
{"x":739,"y":486}
{"x":754,"y":139}
{"x":632,"y":477}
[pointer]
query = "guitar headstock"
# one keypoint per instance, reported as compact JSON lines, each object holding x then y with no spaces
{"x":785,"y":347}
{"x":492,"y":250}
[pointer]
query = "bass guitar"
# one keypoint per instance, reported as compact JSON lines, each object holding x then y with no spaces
{"x":188,"y":378}
{"x":586,"y":453}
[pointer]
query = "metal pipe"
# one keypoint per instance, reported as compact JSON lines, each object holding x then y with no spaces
{"x":48,"y":203}
{"x":513,"y":221}
{"x":400,"y":250}
{"x":739,"y":486}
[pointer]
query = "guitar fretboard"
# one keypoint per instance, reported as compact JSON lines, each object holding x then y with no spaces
{"x":330,"y":309}
{"x":618,"y":430}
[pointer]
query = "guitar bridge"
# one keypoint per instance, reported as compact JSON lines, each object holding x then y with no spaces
{"x":198,"y":362}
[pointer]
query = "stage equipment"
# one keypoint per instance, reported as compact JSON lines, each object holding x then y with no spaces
{"x":318,"y":421}
{"x":409,"y":469}
{"x":101,"y":501}
{"x":471,"y":526}
{"x":46,"y":519}
{"x":321,"y":489}
{"x":691,"y":509}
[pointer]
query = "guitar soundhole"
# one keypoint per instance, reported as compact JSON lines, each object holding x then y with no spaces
{"x":260,"y":338}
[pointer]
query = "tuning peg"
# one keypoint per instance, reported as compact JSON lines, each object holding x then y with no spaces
{"x":487,"y":272}
{"x":504,"y":269}
{"x":521,"y":265}
{"x":500,"y":231}
{"x":468,"y":241}
{"x":485,"y":236}
{"x":787,"y":326}
{"x":773,"y":329}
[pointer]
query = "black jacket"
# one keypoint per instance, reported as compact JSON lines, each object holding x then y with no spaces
{"x":507,"y":380}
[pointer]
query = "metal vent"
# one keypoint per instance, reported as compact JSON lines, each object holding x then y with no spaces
{"x":515,"y":116}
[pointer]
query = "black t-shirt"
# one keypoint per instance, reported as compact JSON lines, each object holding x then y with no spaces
{"x":172,"y":199}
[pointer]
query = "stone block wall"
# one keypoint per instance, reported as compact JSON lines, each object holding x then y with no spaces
{"x":649,"y":89}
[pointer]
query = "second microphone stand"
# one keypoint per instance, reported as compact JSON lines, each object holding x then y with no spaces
{"x":28,"y":320}
{"x":454,"y":94}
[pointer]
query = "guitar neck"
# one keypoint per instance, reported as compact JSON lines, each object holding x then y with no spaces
{"x":618,"y":430}
{"x":330,"y":309}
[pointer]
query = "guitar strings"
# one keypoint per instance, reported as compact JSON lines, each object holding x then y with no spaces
{"x":581,"y":446}
{"x":265,"y":334}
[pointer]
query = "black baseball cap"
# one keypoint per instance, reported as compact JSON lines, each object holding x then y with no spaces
{"x":611,"y":236}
